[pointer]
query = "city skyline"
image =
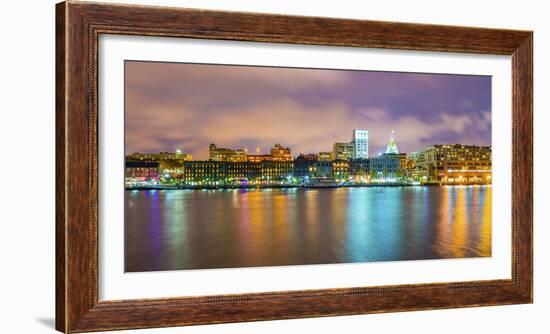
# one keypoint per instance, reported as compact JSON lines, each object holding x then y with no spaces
{"x":173,"y":106}
{"x":384,"y":150}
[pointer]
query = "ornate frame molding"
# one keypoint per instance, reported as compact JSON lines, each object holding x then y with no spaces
{"x":78,"y":27}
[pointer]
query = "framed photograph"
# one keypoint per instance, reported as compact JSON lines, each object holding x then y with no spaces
{"x":223,"y":167}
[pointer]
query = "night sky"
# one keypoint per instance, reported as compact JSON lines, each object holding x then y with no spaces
{"x":173,"y":106}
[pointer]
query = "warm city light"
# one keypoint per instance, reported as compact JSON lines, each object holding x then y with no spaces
{"x":234,"y":167}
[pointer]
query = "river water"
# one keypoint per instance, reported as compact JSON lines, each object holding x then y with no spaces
{"x":198,"y":229}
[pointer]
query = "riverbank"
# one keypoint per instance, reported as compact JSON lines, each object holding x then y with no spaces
{"x":285,"y":186}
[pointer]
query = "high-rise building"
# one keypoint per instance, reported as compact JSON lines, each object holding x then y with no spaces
{"x":360,"y":144}
{"x":342,"y":151}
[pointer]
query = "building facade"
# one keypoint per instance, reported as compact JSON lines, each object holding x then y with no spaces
{"x":340,"y":170}
{"x":239,"y":172}
{"x":280,"y":153}
{"x":342,"y":151}
{"x":359,"y":170}
{"x":453,"y":164}
{"x":204,"y":172}
{"x":322,"y":169}
{"x":229,"y":172}
{"x":387,"y":166}
{"x":226,"y":154}
{"x":258,"y":157}
{"x":178,"y":155}
{"x":277,"y":171}
{"x":303,"y":166}
{"x":325,"y":156}
{"x":141,"y":171}
{"x":360,"y":144}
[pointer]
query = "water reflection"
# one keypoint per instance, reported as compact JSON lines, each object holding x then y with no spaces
{"x":189,"y":229}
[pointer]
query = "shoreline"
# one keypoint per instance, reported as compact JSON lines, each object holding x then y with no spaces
{"x":243,"y":187}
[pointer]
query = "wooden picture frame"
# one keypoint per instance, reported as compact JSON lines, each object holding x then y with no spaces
{"x":78,"y":27}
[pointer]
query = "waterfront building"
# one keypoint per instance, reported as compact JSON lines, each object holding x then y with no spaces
{"x":277,"y":171}
{"x":204,"y":172}
{"x":388,"y":165}
{"x":325,"y":156}
{"x":342,"y":151}
{"x":322,"y":169}
{"x":408,"y":167}
{"x":359,"y":170}
{"x":280,"y":153}
{"x":340,"y":170}
{"x":303,"y":166}
{"x":240,"y":172}
{"x":360,"y":144}
{"x":417,"y":167}
{"x":229,"y":172}
{"x":226,"y":154}
{"x":453,"y":164}
{"x":141,"y":171}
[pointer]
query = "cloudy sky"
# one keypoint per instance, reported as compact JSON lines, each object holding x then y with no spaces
{"x":173,"y":106}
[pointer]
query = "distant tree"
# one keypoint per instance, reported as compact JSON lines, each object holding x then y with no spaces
{"x":170,"y":164}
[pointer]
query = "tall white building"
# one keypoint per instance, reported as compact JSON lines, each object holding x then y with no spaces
{"x":360,"y":144}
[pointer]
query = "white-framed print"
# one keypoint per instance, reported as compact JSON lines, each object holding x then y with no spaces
{"x":115,"y":284}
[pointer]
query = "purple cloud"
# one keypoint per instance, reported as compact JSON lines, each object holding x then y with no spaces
{"x":188,"y":106}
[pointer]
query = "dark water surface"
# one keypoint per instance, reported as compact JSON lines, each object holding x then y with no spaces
{"x":192,"y":229}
